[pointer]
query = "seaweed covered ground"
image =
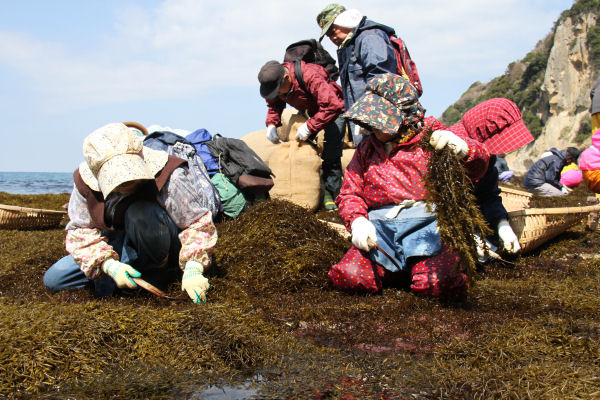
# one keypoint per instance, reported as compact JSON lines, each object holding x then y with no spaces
{"x":273,"y":324}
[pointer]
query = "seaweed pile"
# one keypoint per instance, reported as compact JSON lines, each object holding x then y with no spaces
{"x":528,"y":331}
{"x":46,"y":201}
{"x":276,"y":246}
{"x":576,"y":198}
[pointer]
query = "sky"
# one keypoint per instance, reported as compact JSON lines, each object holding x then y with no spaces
{"x":68,"y":67}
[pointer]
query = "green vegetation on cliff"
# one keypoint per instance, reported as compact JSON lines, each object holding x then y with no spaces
{"x":522,"y":81}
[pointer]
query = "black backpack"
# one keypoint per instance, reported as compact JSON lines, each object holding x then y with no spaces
{"x":310,"y":51}
{"x":244,"y":168}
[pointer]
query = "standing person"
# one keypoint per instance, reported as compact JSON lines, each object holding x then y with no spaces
{"x":135,"y":212}
{"x":498,"y":124}
{"x":595,"y":105}
{"x":364,"y":51}
{"x":321,"y":100}
{"x":543,"y":177}
{"x":382,"y":199}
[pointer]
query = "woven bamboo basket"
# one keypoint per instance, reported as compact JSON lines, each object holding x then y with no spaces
{"x":513,"y":199}
{"x":535,"y":226}
{"x":14,"y":217}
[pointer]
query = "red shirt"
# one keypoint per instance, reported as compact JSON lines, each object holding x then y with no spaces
{"x":374,"y":179}
{"x":323,"y":101}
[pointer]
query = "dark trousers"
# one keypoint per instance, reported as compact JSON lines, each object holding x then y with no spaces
{"x":332,"y":155}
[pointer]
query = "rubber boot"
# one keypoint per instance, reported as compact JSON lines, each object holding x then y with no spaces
{"x":328,"y":201}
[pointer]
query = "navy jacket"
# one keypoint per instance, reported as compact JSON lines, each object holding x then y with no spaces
{"x":369,"y":52}
{"x":546,"y":170}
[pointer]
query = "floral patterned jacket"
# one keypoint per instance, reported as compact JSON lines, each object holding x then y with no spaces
{"x":187,"y":199}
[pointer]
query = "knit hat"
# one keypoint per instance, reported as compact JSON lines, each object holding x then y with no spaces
{"x":327,"y":16}
{"x":114,"y":154}
{"x":270,"y":77}
{"x":389,"y":103}
{"x":497,"y":123}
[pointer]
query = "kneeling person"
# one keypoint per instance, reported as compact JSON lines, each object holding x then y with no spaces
{"x":135,"y":212}
{"x":382,"y":200}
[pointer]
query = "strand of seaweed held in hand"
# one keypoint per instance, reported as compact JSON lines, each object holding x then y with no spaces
{"x":449,"y":192}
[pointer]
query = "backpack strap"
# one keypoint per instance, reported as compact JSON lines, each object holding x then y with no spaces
{"x":298,"y":73}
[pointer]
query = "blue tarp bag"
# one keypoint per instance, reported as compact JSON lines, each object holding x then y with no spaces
{"x":199,"y":138}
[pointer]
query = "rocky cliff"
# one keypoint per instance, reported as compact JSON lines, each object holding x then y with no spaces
{"x":551,"y":85}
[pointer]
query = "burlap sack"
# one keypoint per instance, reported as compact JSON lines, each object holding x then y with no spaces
{"x":347,"y":155}
{"x":258,"y":142}
{"x":296,"y":167}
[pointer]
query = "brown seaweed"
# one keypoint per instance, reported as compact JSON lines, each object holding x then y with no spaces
{"x":450,"y":194}
{"x":532,"y":331}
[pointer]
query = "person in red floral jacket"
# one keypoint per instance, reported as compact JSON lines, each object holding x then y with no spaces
{"x":382,"y":198}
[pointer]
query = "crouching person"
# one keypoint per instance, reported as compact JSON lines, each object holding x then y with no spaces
{"x":135,"y":212}
{"x":382,"y":198}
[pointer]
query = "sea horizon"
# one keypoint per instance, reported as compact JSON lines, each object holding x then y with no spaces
{"x":19,"y":182}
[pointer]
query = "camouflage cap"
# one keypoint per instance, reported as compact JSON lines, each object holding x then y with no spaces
{"x":327,"y":16}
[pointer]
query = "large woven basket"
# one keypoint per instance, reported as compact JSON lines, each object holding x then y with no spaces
{"x":14,"y":217}
{"x":513,"y":199}
{"x":535,"y":226}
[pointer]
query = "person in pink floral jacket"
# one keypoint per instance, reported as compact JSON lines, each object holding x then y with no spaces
{"x":382,"y":198}
{"x":136,"y":212}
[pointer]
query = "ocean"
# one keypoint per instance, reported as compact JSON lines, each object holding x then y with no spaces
{"x":36,"y":182}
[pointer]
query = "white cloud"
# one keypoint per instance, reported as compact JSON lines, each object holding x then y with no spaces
{"x":184,"y":46}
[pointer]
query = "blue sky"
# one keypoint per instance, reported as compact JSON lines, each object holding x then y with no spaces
{"x":69,"y":67}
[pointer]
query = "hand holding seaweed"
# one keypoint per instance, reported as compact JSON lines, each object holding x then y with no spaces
{"x":449,"y":192}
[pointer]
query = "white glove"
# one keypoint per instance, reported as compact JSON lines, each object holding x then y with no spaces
{"x":302,"y":133}
{"x":480,"y":247}
{"x":193,"y":282}
{"x":272,"y":134}
{"x":565,"y":189}
{"x":508,"y":237}
{"x":441,"y":139}
{"x":121,"y":273}
{"x":362,"y":230}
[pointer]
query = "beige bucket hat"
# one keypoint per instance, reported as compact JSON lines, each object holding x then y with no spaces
{"x":114,"y":154}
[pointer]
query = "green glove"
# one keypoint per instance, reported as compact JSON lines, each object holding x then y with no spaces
{"x":193,"y":282}
{"x":121,"y":273}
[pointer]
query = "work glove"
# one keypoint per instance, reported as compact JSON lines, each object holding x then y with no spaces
{"x":363,"y":230}
{"x":193,"y":282}
{"x":121,"y":273}
{"x":440,"y":139}
{"x":272,"y":134}
{"x":302,"y":133}
{"x":508,"y":237}
{"x":481,"y":247}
